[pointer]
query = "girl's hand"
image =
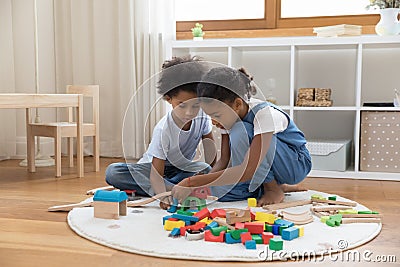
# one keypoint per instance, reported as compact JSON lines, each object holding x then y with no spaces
{"x":181,"y":191}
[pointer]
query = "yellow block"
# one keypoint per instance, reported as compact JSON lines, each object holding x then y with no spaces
{"x":265,"y":217}
{"x":169,"y":225}
{"x":252,"y":202}
{"x":348,"y":211}
{"x":206,"y":220}
{"x":301,"y":230}
{"x":324,"y":219}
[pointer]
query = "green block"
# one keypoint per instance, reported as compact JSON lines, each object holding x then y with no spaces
{"x":183,"y":212}
{"x":337,"y":218}
{"x":257,"y":238}
{"x":217,"y":230}
{"x":331,"y":223}
{"x":235,"y":234}
{"x":275,"y":244}
{"x":375,"y":212}
{"x":332,"y":198}
{"x":281,"y":228}
{"x":364,"y":212}
{"x":268,"y":228}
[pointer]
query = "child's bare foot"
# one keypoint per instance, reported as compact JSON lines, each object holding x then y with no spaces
{"x":292,"y":188}
{"x":273,"y":193}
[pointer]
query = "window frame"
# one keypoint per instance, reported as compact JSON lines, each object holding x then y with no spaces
{"x":273,"y":21}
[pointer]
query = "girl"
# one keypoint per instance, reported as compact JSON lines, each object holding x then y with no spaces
{"x":267,"y":150}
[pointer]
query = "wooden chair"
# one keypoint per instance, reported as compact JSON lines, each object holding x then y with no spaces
{"x":58,"y":130}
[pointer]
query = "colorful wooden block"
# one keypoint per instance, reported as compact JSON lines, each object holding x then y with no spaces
{"x":208,"y":236}
{"x":174,"y":206}
{"x":348,"y":211}
{"x":250,"y":244}
{"x":252,"y":215}
{"x":221,"y":213}
{"x":332,"y":198}
{"x":283,"y":222}
{"x":254,"y":228}
{"x":275,"y":229}
{"x":268,"y":228}
{"x":238,"y":216}
{"x":230,"y":240}
{"x":173,"y":219}
{"x":265,"y":217}
{"x":257,"y":238}
{"x":211,"y":225}
{"x":281,"y":228}
{"x":317,"y":196}
{"x":197,"y":226}
{"x":175,"y":232}
{"x":239,"y":225}
{"x":169,"y":225}
{"x":185,"y":217}
{"x":217,"y":230}
{"x":236,"y":233}
{"x":275,"y":244}
{"x":252,"y":202}
{"x":165,"y":218}
{"x":290,"y":233}
{"x":266,"y":237}
{"x":204,"y":213}
{"x":323,"y":219}
{"x":185,"y":212}
{"x":245,"y":236}
{"x":301,"y":230}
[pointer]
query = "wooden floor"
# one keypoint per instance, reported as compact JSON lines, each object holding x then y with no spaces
{"x":31,"y":236}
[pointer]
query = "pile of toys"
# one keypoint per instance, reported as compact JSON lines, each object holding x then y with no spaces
{"x":194,"y":221}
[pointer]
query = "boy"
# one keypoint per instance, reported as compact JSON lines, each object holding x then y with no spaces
{"x":175,"y":137}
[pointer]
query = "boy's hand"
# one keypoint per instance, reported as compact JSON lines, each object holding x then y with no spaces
{"x":166,"y":202}
{"x":181,"y":191}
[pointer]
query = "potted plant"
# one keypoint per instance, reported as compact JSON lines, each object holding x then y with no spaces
{"x":389,"y":11}
{"x":197,"y":31}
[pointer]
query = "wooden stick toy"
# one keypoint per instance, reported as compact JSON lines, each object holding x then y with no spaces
{"x":335,"y":202}
{"x":330,"y":208}
{"x":362,"y":216}
{"x":92,"y":191}
{"x":222,"y":221}
{"x":86,"y":203}
{"x":360,"y":220}
{"x":290,"y":204}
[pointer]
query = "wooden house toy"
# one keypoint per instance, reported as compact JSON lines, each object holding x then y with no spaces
{"x":110,"y":204}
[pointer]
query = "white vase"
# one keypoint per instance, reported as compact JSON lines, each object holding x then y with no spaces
{"x":388,"y":24}
{"x":197,"y":38}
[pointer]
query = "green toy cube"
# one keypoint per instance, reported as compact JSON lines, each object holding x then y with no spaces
{"x":275,"y":244}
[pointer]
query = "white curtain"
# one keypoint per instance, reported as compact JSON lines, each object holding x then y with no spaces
{"x":117,"y":44}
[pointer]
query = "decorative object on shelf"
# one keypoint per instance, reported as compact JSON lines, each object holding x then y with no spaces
{"x":338,"y":30}
{"x":314,"y":97}
{"x":389,"y":11}
{"x":197,"y":32}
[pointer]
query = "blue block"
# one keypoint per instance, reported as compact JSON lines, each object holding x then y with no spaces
{"x":188,"y":223}
{"x":230,"y":240}
{"x":283,"y":222}
{"x":185,"y":217}
{"x":290,"y":233}
{"x":165,"y":218}
{"x":250,"y":244}
{"x":275,"y":229}
{"x":211,"y":225}
{"x":176,"y":232}
{"x":174,"y":206}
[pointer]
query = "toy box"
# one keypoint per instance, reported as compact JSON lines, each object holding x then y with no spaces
{"x":330,"y":155}
{"x":380,"y":141}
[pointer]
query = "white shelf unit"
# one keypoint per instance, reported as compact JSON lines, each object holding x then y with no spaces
{"x":358,"y":69}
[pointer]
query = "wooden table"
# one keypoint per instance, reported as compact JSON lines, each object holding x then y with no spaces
{"x":28,"y":101}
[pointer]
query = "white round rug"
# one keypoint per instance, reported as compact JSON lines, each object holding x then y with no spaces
{"x":142,"y":232}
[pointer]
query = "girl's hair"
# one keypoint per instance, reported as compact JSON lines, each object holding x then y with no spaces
{"x":180,"y":74}
{"x":226,"y":84}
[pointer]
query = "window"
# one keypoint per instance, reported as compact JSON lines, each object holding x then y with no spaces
{"x":226,"y":15}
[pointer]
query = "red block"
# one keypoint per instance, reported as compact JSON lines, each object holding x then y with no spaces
{"x":202,"y":214}
{"x":173,"y":219}
{"x":254,"y":228}
{"x":252,"y":215}
{"x":266,"y":236}
{"x":208,"y":236}
{"x":218,"y":213}
{"x":239,"y":225}
{"x":197,"y":226}
{"x":245,"y":237}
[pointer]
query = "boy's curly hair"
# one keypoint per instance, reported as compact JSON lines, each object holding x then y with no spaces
{"x":226,"y":84}
{"x":180,"y":74}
